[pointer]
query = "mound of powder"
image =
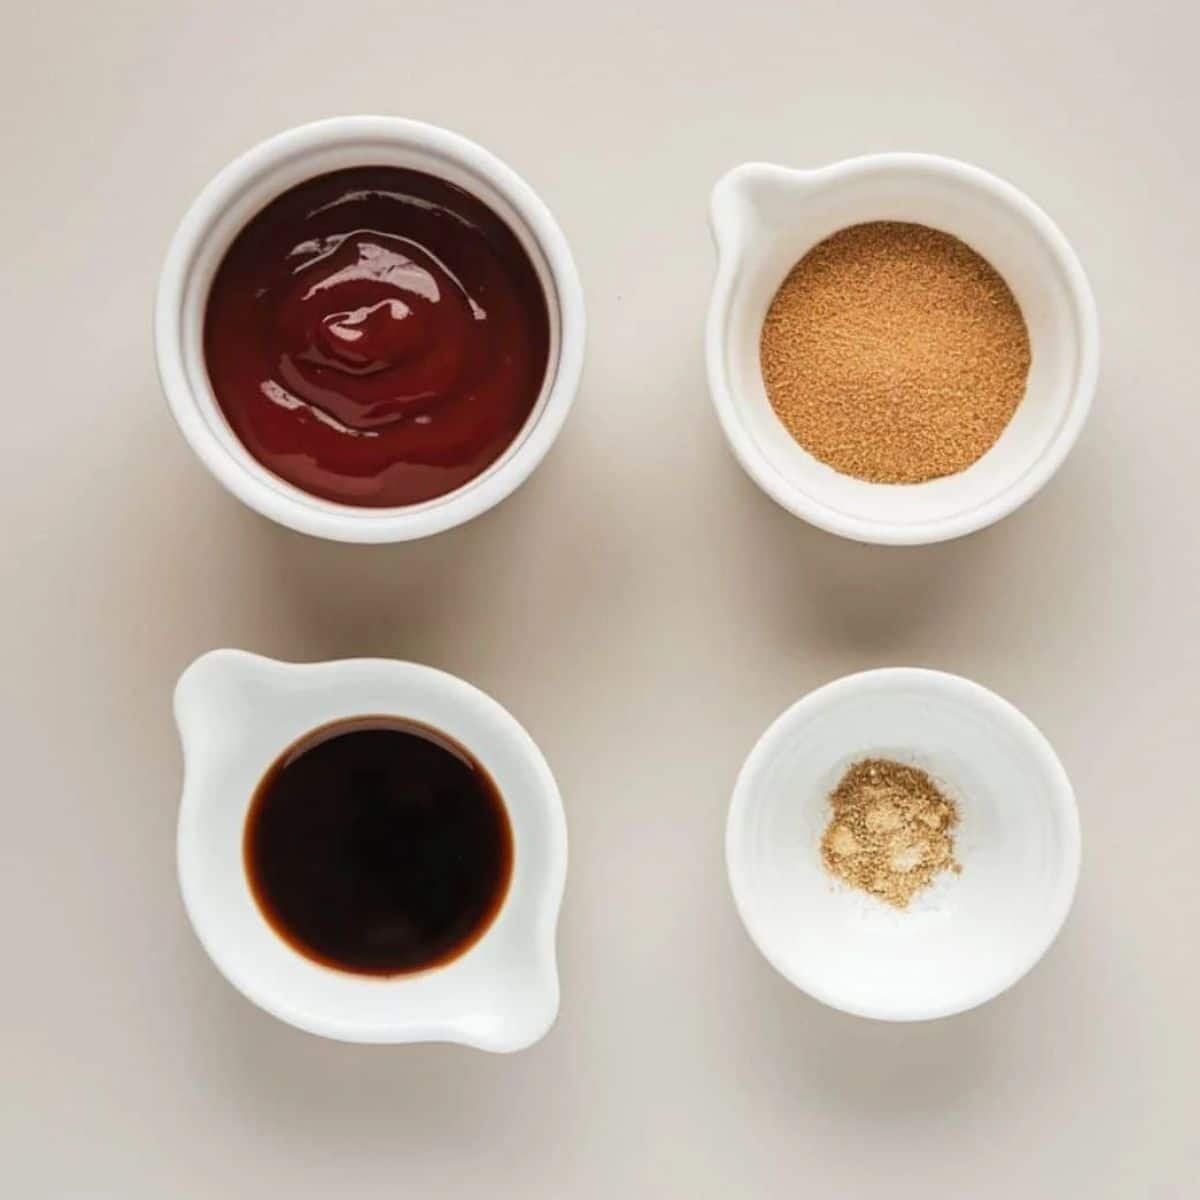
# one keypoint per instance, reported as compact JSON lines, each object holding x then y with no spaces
{"x":891,"y":830}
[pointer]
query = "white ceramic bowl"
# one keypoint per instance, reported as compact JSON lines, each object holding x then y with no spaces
{"x":237,"y":713}
{"x":966,"y":938}
{"x":765,"y":218}
{"x":241,"y":190}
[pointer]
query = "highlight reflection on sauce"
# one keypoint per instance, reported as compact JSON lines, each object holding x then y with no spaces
{"x":376,"y":336}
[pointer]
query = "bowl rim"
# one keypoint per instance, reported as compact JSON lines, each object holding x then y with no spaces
{"x":345,"y":522}
{"x":541,"y":934}
{"x":984,"y":700}
{"x":794,"y":498}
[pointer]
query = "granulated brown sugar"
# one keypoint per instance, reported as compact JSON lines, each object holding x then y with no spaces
{"x":890,"y":832}
{"x":894,"y":353}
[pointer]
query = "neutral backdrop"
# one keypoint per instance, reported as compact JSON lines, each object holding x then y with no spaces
{"x":639,"y":605}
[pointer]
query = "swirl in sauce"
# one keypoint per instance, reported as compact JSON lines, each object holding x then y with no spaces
{"x":376,"y":336}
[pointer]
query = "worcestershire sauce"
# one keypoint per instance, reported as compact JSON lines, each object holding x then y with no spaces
{"x":379,"y":846}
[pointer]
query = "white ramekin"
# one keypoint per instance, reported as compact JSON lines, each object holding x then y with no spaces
{"x":971,"y":935}
{"x":765,"y":218}
{"x":242,"y":189}
{"x":237,"y":713}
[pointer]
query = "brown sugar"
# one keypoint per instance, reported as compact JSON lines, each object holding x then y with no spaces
{"x":890,"y":832}
{"x":894,"y":353}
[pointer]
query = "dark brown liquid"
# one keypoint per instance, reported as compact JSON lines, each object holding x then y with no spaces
{"x":378,"y":845}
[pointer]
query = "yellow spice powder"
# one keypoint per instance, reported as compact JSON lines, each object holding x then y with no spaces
{"x":895,"y":353}
{"x":890,"y":832}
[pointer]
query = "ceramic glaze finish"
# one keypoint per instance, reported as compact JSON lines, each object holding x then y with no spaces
{"x":969,"y":936}
{"x":242,"y":190}
{"x":765,"y":218}
{"x":236,"y":713}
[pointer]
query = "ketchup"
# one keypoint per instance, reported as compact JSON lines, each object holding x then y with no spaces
{"x":376,"y":336}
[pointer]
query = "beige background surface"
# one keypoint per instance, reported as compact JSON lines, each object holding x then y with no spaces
{"x":639,"y":605}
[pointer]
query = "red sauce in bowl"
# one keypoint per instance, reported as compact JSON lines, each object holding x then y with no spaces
{"x":376,"y":336}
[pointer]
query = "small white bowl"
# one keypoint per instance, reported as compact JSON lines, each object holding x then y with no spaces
{"x":241,"y":190}
{"x":237,"y":713}
{"x":969,"y":936}
{"x":765,"y":218}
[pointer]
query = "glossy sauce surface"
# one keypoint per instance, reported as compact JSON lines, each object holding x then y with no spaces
{"x":379,"y":846}
{"x":376,"y":336}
